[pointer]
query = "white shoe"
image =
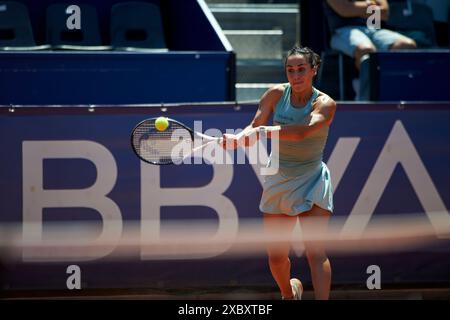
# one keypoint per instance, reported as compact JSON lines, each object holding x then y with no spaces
{"x":297,"y":289}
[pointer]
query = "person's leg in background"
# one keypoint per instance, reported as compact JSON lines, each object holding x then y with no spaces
{"x":354,"y":42}
{"x":364,"y":79}
{"x":388,"y":40}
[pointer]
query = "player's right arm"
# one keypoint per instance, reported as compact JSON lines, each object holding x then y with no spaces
{"x":267,"y":106}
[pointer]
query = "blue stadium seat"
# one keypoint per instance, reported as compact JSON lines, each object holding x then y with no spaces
{"x":414,"y":20}
{"x":137,"y":25}
{"x":15,"y":28}
{"x":59,"y":36}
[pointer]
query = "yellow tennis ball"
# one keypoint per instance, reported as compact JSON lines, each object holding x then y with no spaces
{"x":161,"y":123}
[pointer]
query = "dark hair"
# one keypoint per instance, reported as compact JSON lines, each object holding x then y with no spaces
{"x":312,"y":57}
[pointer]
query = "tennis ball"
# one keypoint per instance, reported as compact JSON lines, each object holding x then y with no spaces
{"x":161,"y":123}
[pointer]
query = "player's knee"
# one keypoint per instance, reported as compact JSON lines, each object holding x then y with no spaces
{"x":316,"y":257}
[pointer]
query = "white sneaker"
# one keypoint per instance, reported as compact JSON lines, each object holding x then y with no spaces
{"x":297,"y":289}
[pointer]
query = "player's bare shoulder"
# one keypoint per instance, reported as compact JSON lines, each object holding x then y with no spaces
{"x":325,"y":106}
{"x":271,"y":97}
{"x":324,"y":100}
{"x":275,"y":92}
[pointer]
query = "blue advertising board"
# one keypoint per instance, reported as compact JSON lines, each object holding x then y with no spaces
{"x":56,"y":77}
{"x":76,"y":163}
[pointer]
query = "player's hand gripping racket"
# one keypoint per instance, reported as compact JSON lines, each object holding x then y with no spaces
{"x":171,"y":145}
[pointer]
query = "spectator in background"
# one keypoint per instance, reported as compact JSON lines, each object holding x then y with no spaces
{"x":351,"y":35}
{"x":441,"y":13}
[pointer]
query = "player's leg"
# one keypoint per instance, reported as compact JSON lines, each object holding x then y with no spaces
{"x":316,"y":221}
{"x":278,"y":253}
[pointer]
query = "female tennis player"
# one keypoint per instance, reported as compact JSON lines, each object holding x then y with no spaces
{"x":301,"y":190}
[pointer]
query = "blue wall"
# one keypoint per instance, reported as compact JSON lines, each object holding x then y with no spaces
{"x":416,"y":75}
{"x":115,"y":77}
{"x":415,"y":137}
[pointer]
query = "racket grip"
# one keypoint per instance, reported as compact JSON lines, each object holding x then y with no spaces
{"x":264,"y":129}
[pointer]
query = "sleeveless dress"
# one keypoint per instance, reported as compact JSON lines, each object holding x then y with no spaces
{"x":302,"y":179}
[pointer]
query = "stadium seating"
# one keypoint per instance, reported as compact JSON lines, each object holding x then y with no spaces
{"x":85,"y":38}
{"x":137,"y":25}
{"x":134,"y":26}
{"x":78,"y":70}
{"x":15,"y":27}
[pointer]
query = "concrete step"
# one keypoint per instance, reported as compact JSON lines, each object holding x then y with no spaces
{"x":252,"y":1}
{"x":256,"y":44}
{"x":260,"y":71}
{"x":284,"y":17}
{"x":251,"y":91}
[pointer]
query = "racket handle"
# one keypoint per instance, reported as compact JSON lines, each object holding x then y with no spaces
{"x":260,"y":129}
{"x":264,"y":129}
{"x":206,"y":137}
{"x":218,"y":140}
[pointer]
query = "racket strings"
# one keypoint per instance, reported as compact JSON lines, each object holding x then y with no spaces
{"x":157,"y":146}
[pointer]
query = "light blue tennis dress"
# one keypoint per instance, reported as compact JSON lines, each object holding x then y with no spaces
{"x":302,"y":179}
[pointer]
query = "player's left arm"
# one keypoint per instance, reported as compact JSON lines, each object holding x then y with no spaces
{"x":322,"y":115}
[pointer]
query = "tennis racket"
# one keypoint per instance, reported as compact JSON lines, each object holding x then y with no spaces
{"x":164,"y":147}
